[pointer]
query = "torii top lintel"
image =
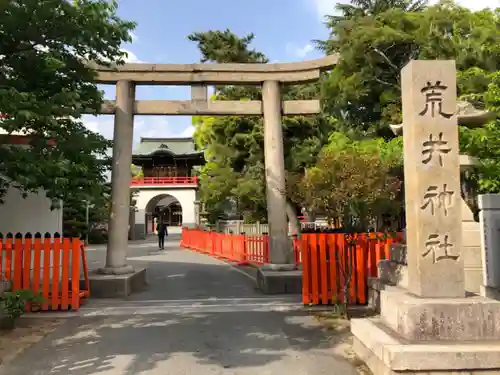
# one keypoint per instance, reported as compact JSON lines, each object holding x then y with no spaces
{"x":188,"y":74}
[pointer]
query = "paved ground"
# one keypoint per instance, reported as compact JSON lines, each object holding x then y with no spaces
{"x":199,"y":316}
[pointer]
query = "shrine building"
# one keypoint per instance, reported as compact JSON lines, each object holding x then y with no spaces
{"x":168,"y":189}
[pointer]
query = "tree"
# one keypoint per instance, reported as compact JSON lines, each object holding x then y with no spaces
{"x":361,"y":96}
{"x":136,"y":171}
{"x":373,"y":49}
{"x":353,"y":183}
{"x":484,"y":142}
{"x":90,"y":216}
{"x":366,"y":8}
{"x":76,"y":223}
{"x":46,"y":85}
{"x":234,"y":145}
{"x":226,"y":47}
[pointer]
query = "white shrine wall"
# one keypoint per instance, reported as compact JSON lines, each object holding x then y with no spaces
{"x":30,"y":214}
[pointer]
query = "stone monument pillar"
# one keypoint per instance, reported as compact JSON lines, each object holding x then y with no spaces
{"x":427,"y":325}
{"x":432,"y":179}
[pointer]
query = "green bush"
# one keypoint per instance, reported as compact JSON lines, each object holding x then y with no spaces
{"x":13,"y":305}
{"x":98,"y":237}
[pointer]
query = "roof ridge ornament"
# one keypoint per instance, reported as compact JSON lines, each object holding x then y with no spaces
{"x":467,"y":114}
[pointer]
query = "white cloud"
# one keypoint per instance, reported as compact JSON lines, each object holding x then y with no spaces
{"x":299,"y":51}
{"x":188,"y":132}
{"x":144,"y":126}
{"x":131,"y":57}
{"x":134,"y":36}
{"x":327,"y":7}
{"x":324,"y":7}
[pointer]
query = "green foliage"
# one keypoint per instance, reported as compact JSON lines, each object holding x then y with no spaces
{"x":216,"y":184}
{"x":226,"y":47}
{"x":352,"y":183}
{"x":361,"y":97}
{"x":366,"y":83}
{"x":45,"y":85}
{"x":234,"y":145}
{"x":75,"y":213}
{"x":483,"y":89}
{"x":367,"y":8}
{"x":136,"y":171}
{"x":13,"y":304}
{"x":97,"y":237}
{"x":376,"y":41}
{"x":389,"y":152}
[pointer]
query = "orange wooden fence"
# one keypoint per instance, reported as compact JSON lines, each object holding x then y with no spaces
{"x":236,"y":248}
{"x":51,"y":266}
{"x":330,"y":261}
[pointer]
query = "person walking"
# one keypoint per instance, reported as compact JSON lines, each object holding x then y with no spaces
{"x":162,"y":232}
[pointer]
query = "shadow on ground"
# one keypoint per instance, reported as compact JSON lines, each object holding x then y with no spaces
{"x":237,"y":339}
{"x":187,"y":344}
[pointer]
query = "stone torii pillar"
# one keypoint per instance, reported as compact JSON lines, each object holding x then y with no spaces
{"x":198,"y":76}
{"x":280,"y":249}
{"x":123,"y":133}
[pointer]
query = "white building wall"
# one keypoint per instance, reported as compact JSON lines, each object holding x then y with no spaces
{"x":30,"y":214}
{"x":185,"y":196}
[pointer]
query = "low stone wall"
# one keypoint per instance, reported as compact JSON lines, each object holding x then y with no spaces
{"x":393,"y":272}
{"x":471,"y":252}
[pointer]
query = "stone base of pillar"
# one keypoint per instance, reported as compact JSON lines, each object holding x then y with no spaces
{"x":426,"y":336}
{"x":281,"y":281}
{"x":109,"y":283}
{"x":279,"y":267}
{"x":125,"y":270}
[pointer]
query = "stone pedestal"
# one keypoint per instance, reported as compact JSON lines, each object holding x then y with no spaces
{"x":271,"y":281}
{"x":117,"y":286}
{"x":427,"y":325}
{"x":387,"y":353}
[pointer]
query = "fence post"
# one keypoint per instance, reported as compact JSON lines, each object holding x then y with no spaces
{"x":243,"y":244}
{"x":266,"y":248}
{"x":306,"y":270}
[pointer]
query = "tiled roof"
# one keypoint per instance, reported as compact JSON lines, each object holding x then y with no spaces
{"x":176,"y":146}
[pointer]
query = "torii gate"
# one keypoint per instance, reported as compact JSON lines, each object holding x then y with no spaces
{"x":198,"y":76}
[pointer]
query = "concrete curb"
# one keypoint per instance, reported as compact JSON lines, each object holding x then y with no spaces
{"x":238,"y":268}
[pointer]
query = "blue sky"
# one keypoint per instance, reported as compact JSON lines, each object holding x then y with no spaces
{"x":283,"y":31}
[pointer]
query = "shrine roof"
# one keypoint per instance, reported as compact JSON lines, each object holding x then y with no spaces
{"x":173,"y":146}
